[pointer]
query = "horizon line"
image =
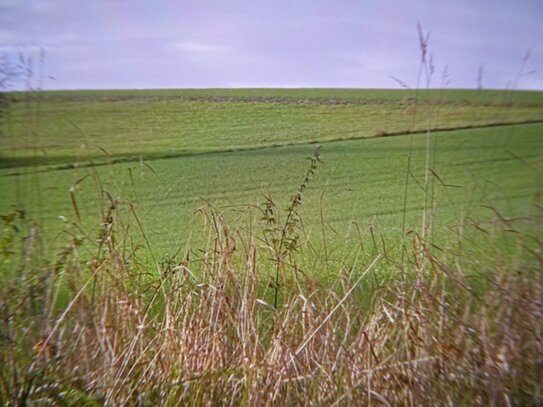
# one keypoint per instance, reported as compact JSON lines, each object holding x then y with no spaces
{"x":98,"y":89}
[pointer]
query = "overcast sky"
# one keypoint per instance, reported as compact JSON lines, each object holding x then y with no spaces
{"x":273,"y":43}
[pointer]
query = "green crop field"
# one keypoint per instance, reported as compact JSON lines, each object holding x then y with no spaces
{"x":203,"y":245}
{"x":59,"y":127}
{"x":170,"y":152}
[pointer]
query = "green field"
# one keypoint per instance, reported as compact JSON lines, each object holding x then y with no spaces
{"x":170,"y":152}
{"x":63,"y":127}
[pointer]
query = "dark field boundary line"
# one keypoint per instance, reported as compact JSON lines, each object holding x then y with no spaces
{"x":141,"y":157}
{"x":455,"y":128}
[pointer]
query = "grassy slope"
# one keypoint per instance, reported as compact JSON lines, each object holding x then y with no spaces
{"x":79,"y":127}
{"x":363,"y":181}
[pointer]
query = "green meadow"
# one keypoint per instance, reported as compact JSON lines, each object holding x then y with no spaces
{"x":77,"y":127}
{"x":168,"y":153}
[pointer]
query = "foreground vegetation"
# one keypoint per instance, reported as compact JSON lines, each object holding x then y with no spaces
{"x":440,"y":327}
{"x":226,"y":270}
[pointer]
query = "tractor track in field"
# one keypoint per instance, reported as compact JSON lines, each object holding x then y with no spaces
{"x":145,"y":159}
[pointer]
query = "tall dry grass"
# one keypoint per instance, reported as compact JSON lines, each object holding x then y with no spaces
{"x":204,"y":332}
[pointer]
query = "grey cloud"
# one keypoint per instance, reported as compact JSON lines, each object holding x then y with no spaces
{"x":351,"y":43}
